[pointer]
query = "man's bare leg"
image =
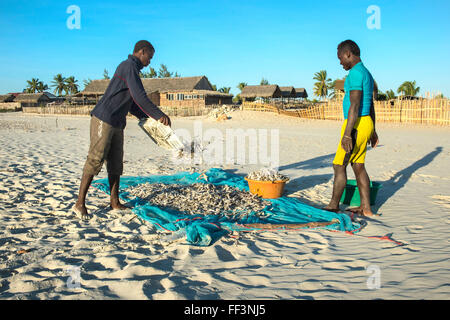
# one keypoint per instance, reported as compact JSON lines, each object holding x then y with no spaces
{"x":340,"y":180}
{"x":80,"y":205}
{"x":114,"y":181}
{"x":363,"y":182}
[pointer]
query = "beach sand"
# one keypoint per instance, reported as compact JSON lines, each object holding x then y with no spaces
{"x":47,"y":253}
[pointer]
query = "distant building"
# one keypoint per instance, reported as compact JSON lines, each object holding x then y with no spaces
{"x":250,"y":93}
{"x":168,"y":92}
{"x":339,"y":91}
{"x":339,"y":88}
{"x":301,"y":93}
{"x":7,"y":98}
{"x":287,"y":92}
{"x":35,"y":99}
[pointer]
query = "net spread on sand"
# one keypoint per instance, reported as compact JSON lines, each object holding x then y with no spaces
{"x":201,"y":198}
{"x":188,"y":192}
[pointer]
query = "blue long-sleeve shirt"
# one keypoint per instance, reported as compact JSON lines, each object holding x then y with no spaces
{"x":125,"y":93}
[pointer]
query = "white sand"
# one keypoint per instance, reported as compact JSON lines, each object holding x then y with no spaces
{"x":120,"y":258}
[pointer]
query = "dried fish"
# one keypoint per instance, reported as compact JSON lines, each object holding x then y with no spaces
{"x":202,"y":198}
{"x":266,"y":174}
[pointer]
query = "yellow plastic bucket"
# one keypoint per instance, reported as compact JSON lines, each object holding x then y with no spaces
{"x":266,"y":189}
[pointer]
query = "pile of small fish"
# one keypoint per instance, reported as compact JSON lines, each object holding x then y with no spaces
{"x":266,"y":174}
{"x":202,"y":198}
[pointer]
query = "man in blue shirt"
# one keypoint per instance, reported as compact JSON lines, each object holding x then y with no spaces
{"x":358,"y":129}
{"x":125,"y":93}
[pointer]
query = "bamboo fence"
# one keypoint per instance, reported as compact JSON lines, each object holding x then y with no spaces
{"x":10,"y":106}
{"x":59,"y":110}
{"x":86,"y":110}
{"x":423,"y":111}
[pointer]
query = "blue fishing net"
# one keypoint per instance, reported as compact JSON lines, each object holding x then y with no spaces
{"x":202,"y":229}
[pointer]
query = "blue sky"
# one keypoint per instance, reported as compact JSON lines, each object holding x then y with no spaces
{"x":229,"y":41}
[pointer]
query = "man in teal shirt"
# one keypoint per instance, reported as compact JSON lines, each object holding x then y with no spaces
{"x":357,"y":131}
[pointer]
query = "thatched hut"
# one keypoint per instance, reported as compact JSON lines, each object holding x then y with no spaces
{"x":35,"y":99}
{"x":250,"y":93}
{"x":4,"y":98}
{"x":339,"y":88}
{"x":301,"y":93}
{"x":180,"y":91}
{"x":287,"y":92}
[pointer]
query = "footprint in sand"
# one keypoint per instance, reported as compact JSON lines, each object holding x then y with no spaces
{"x":414,"y":229}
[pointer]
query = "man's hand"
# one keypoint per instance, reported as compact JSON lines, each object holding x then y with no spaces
{"x":374,"y":139}
{"x":165,"y":120}
{"x":347,"y":144}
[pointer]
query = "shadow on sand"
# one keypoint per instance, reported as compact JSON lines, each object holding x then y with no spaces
{"x":306,"y":182}
{"x":390,"y":187}
{"x":398,"y":181}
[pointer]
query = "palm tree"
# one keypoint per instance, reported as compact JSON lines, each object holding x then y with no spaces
{"x":42,"y":87}
{"x":390,"y":94}
{"x":214,"y":87}
{"x":225,"y":89}
{"x":71,"y":85}
{"x":408,"y":88}
{"x":32,"y":86}
{"x":105,"y":74}
{"x":241,"y":85}
{"x":264,"y":82}
{"x":59,"y":84}
{"x":322,"y":85}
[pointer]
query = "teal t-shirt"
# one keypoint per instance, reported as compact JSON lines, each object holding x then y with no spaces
{"x":359,"y":78}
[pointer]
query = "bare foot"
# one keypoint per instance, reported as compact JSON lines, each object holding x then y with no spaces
{"x":81,"y":211}
{"x":354,"y":209}
{"x":361,"y":211}
{"x":328,"y":208}
{"x":116,"y":205}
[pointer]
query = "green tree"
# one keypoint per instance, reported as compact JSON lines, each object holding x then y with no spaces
{"x":322,"y":85}
{"x":32,"y":85}
{"x":408,"y":88}
{"x":241,"y":85}
{"x":106,"y":74}
{"x":264,"y":82}
{"x":59,"y":84}
{"x":381,"y":96}
{"x":214,"y":87}
{"x":390,"y":94}
{"x":151,"y":74}
{"x":225,"y":89}
{"x":71,"y":85}
{"x":42,"y":87}
{"x":163,"y":72}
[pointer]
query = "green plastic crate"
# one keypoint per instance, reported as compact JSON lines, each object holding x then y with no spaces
{"x":351,"y":193}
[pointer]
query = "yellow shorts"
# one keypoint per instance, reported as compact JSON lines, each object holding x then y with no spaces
{"x":361,"y":134}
